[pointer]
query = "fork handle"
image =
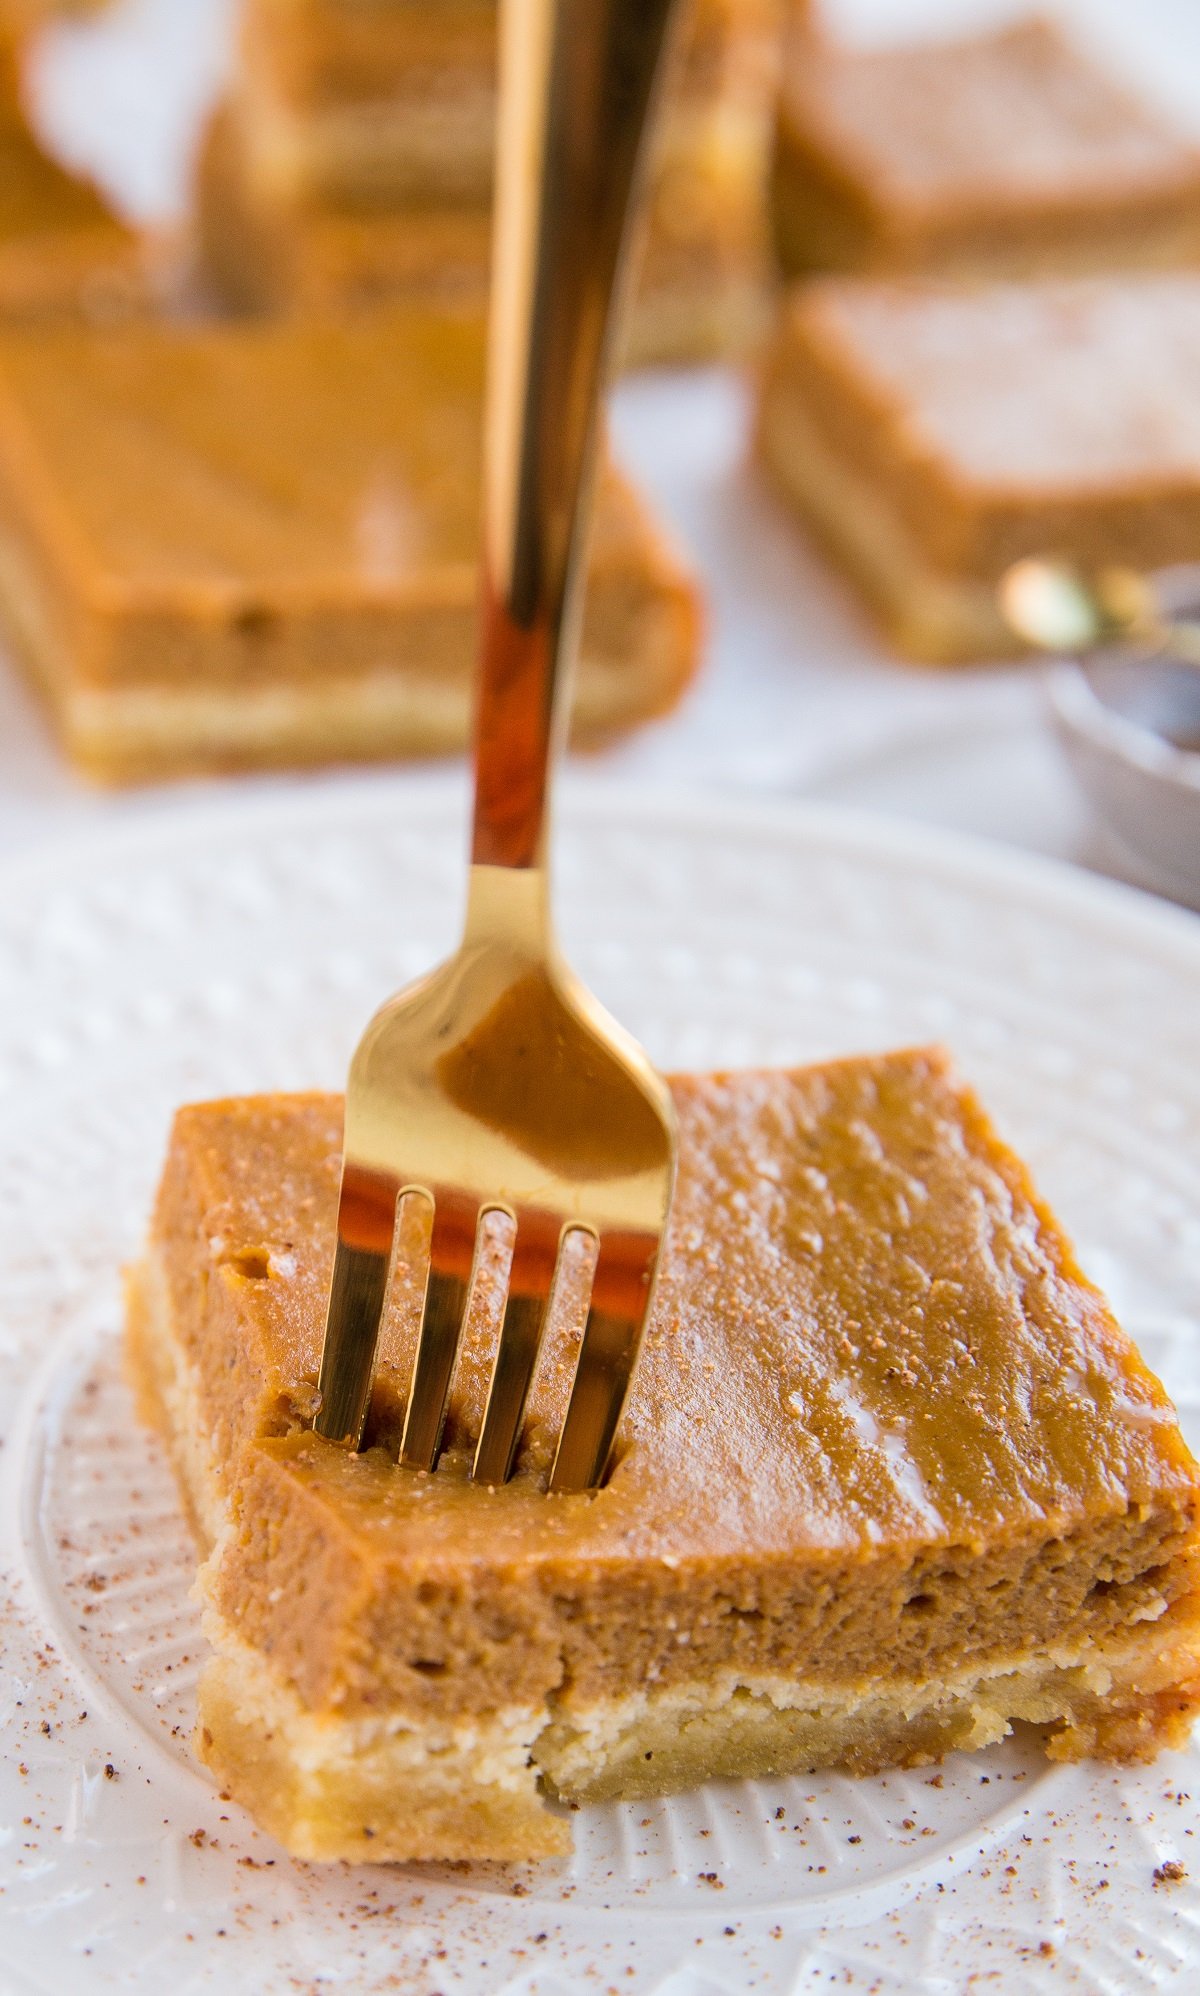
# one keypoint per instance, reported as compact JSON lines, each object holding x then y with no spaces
{"x":577,"y":79}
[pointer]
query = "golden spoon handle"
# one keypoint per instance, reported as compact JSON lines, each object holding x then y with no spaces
{"x":577,"y":79}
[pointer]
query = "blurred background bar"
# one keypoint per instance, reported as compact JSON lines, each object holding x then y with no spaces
{"x":918,"y":295}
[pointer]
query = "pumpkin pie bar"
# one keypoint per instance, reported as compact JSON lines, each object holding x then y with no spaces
{"x":260,"y":253}
{"x":931,"y":434}
{"x":700,"y":287}
{"x":357,"y":103}
{"x":890,"y":1480}
{"x":241,"y":545}
{"x":1006,"y":154}
{"x":352,"y":163}
{"x":352,"y":101}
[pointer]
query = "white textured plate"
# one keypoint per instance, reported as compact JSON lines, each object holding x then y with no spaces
{"x":243,"y":948}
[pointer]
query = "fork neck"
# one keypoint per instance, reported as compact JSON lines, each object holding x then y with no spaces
{"x":510,"y":905}
{"x":577,"y":79}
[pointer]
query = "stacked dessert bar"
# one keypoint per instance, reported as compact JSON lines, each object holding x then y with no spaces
{"x":352,"y":163}
{"x":934,"y":434}
{"x":891,"y":1479}
{"x":233,"y":545}
{"x":230,"y":546}
{"x":1004,"y":154}
{"x":990,"y":365}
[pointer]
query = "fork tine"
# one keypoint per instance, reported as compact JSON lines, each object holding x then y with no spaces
{"x":451,"y":1272}
{"x":621,"y":1290}
{"x":535,"y":1254}
{"x":362,"y":1260}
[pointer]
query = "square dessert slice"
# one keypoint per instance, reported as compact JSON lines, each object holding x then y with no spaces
{"x":315,"y":53}
{"x":309,"y":54}
{"x":261,"y":252}
{"x":226,"y":546}
{"x":363,"y":104}
{"x":1004,"y":154}
{"x":329,"y":177}
{"x":355,"y":104}
{"x":700,"y":286}
{"x":890,"y":1479}
{"x":932,"y":434}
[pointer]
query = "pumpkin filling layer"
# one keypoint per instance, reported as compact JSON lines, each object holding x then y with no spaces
{"x":890,"y":1478}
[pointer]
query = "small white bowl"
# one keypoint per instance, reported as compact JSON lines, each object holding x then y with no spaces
{"x":1129,"y":721}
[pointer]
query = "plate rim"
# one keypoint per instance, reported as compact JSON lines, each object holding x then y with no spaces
{"x":961,"y":857}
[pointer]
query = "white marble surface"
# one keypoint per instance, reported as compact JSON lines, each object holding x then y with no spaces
{"x":796,"y":695}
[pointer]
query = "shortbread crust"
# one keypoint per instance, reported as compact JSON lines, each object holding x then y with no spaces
{"x":891,"y":1478}
{"x":236,"y":546}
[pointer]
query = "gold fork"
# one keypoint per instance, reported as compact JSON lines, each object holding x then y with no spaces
{"x":497,"y":1082}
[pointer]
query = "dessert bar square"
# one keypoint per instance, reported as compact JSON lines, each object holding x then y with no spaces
{"x":699,"y":287}
{"x":369,"y":105}
{"x":891,"y":1478}
{"x":328,"y":177}
{"x":1005,"y":154}
{"x":312,"y":54}
{"x":362,"y":104}
{"x":932,"y":434}
{"x":228,"y":546}
{"x":261,"y":253}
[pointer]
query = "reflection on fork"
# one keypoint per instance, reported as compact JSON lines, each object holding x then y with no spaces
{"x":498,"y":1083}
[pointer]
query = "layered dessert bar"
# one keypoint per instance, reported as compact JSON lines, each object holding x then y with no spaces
{"x":232,"y":546}
{"x":1005,"y":154}
{"x":370,"y":101}
{"x":932,"y":434}
{"x":352,"y":162}
{"x":702,"y":278}
{"x":700,"y":287}
{"x":890,"y":1479}
{"x":263,"y":254}
{"x":393,"y":102}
